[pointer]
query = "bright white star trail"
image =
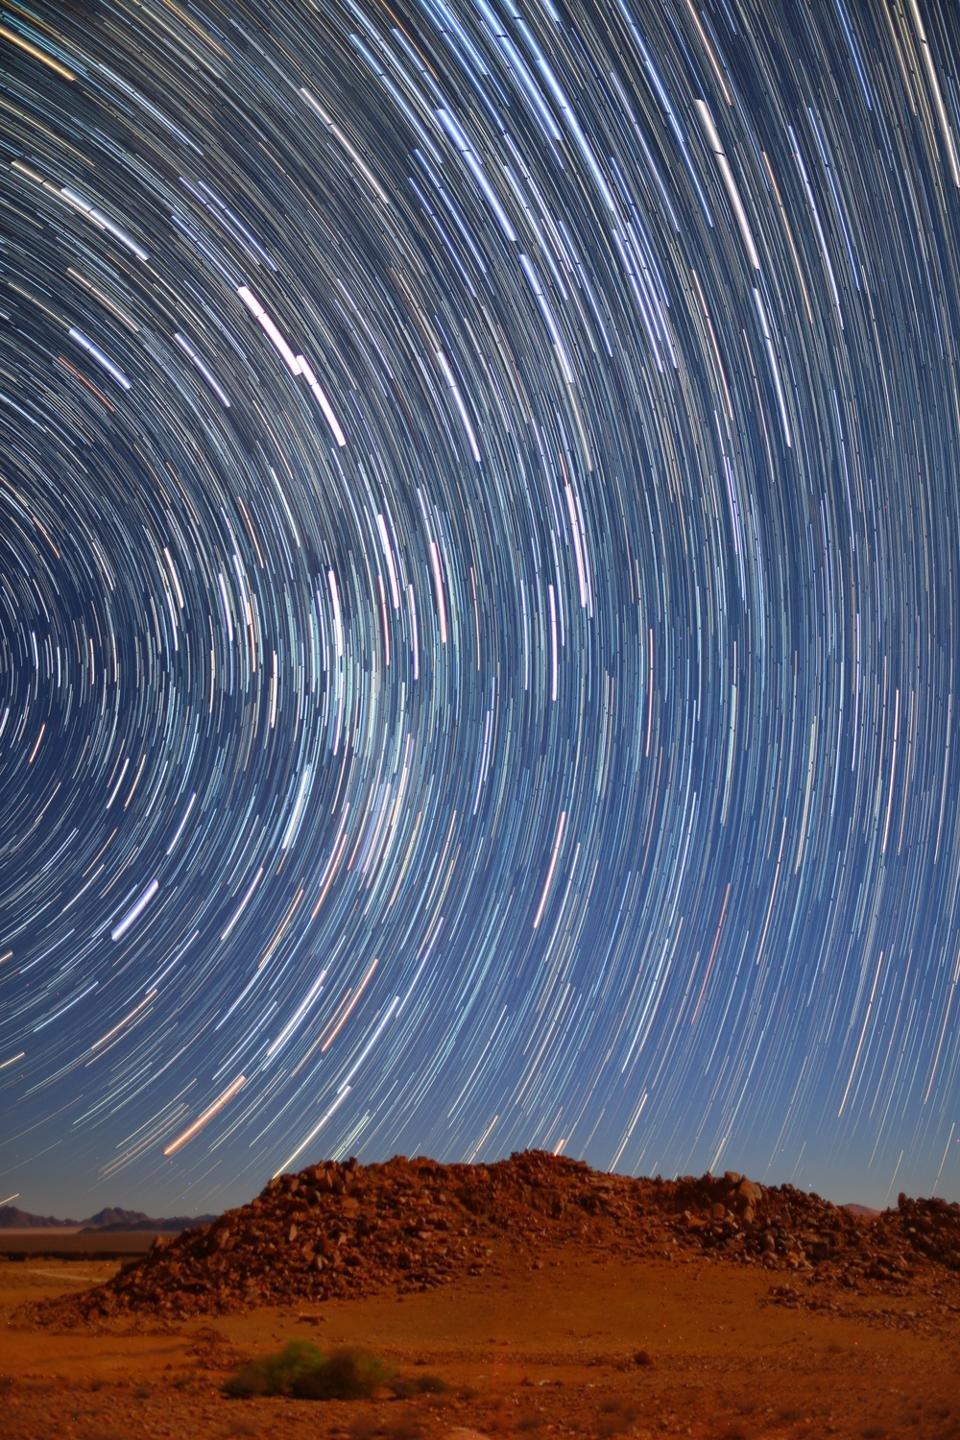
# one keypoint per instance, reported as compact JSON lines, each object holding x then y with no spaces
{"x":479,"y":585}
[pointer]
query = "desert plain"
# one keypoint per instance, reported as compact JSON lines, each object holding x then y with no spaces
{"x":591,"y":1323}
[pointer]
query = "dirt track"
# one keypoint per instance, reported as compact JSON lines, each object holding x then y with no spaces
{"x":536,"y":1352}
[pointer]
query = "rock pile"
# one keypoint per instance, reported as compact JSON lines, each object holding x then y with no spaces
{"x":349,"y":1230}
{"x":793,"y":1229}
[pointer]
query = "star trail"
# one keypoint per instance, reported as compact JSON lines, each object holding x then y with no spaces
{"x":479,"y":583}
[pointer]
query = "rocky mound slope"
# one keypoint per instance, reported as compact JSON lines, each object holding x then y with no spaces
{"x":348,"y":1230}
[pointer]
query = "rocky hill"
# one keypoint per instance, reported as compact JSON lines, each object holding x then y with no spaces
{"x":346,"y":1229}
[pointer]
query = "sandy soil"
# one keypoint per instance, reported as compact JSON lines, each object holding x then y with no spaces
{"x":549,"y":1351}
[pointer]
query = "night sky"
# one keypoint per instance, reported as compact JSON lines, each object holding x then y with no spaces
{"x":479,"y":590}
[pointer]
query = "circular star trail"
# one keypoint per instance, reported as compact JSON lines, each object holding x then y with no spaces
{"x":478,"y":589}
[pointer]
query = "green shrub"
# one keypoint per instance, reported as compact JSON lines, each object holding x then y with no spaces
{"x":275,"y":1374}
{"x":345,"y":1375}
{"x":303,"y":1371}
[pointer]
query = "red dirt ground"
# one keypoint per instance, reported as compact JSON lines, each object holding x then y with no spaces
{"x":613,"y":1313}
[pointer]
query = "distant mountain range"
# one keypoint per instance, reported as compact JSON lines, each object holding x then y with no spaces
{"x":11,"y":1218}
{"x":108,"y":1219}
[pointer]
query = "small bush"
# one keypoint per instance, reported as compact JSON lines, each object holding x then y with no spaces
{"x":345,"y":1375}
{"x":275,"y":1374}
{"x":305,"y":1373}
